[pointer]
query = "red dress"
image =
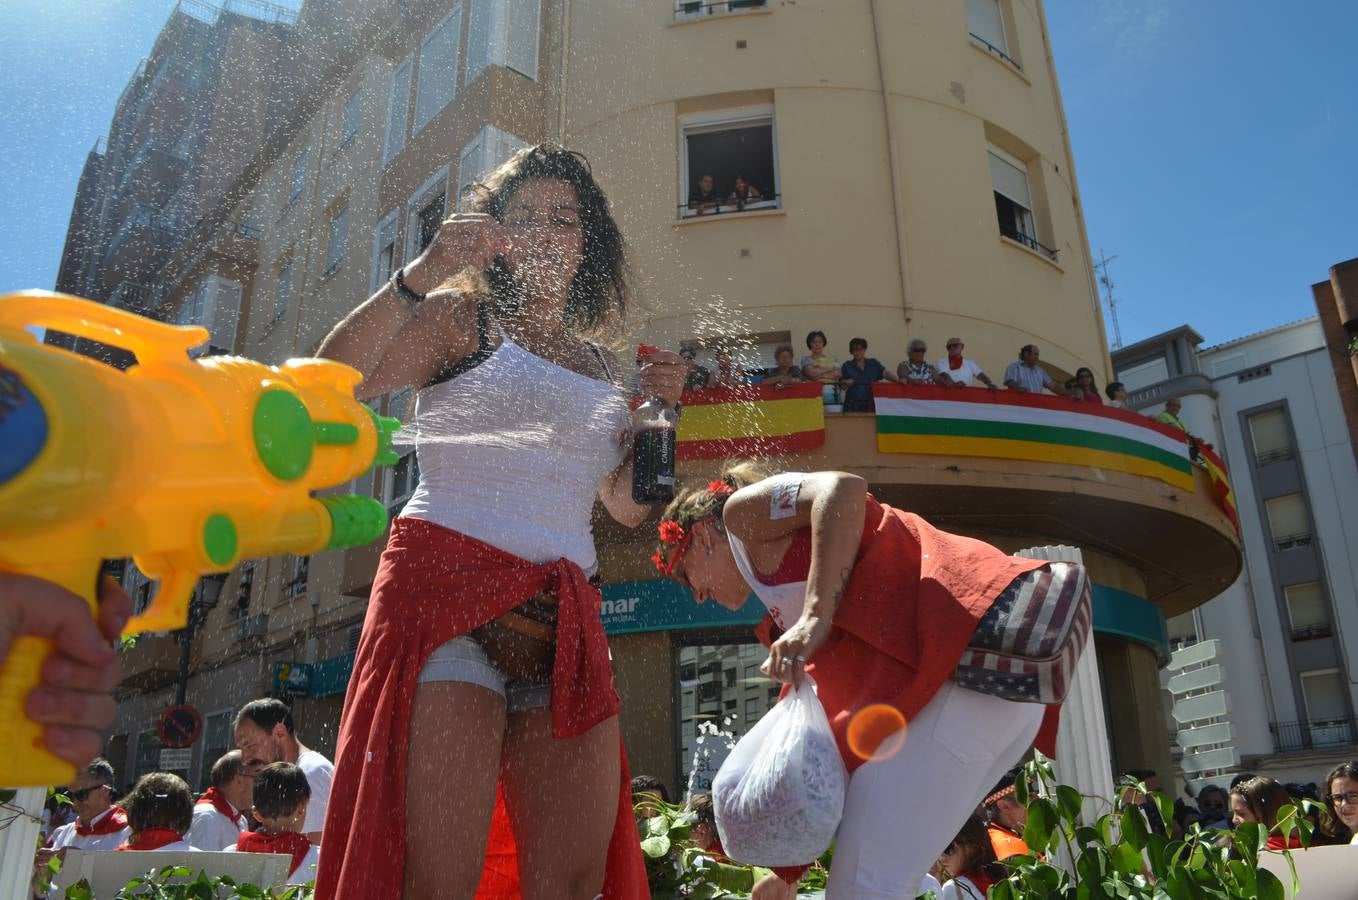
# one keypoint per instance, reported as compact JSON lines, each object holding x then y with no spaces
{"x":432,"y":585}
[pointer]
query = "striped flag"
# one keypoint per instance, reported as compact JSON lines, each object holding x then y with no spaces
{"x":1221,"y":483}
{"x":750,"y":421}
{"x":1014,"y":425}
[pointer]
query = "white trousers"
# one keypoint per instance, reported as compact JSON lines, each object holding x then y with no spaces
{"x":902,"y":811}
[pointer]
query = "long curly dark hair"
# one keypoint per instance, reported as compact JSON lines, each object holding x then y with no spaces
{"x":599,"y":292}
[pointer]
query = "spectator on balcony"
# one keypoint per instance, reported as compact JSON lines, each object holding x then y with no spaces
{"x":957,"y":370}
{"x":916,"y":369}
{"x":727,"y":374}
{"x":743,"y":192}
{"x":1024,"y":374}
{"x":1170,"y":414}
{"x":1214,"y":807}
{"x":1085,"y":388}
{"x":1258,"y":800}
{"x":159,"y":812}
{"x":786,"y":372}
{"x":1117,"y":394}
{"x":1341,"y":796}
{"x":859,"y":374}
{"x":699,"y":376}
{"x":821,"y":366}
{"x":705,"y":199}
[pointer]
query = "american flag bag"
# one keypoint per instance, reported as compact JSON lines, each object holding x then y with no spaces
{"x":1027,"y":644}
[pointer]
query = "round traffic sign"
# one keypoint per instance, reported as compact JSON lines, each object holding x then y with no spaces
{"x":179,"y":726}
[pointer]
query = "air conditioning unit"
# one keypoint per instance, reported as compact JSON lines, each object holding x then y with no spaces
{"x":252,"y":628}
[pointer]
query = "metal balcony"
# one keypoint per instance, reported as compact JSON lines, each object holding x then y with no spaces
{"x":1291,"y":737}
{"x":141,"y":299}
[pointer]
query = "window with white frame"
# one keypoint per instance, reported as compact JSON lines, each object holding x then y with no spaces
{"x":1271,"y":436}
{"x":425,"y":212}
{"x":339,"y":233}
{"x":985,"y":21}
{"x":696,"y":9}
{"x":1014,"y":200}
{"x":398,"y":112}
{"x":1307,"y":610}
{"x":483,"y":155}
{"x":353,"y":115}
{"x":1144,"y":374}
{"x":503,"y":33}
{"x":298,"y":175}
{"x":384,"y":251}
{"x":1288,"y":523}
{"x":282,"y":291}
{"x":437,"y":78}
{"x":729,"y":163}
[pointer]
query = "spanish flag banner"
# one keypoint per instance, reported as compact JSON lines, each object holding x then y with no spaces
{"x":750,"y":421}
{"x":1221,"y":483}
{"x":943,"y":421}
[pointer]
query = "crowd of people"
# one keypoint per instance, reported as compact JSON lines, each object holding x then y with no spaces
{"x":267,"y":796}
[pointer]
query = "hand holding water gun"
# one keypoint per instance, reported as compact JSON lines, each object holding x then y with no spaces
{"x":188,"y":466}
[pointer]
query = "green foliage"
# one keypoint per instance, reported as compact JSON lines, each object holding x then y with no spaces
{"x":178,"y":883}
{"x":675,"y":868}
{"x":1118,"y":856}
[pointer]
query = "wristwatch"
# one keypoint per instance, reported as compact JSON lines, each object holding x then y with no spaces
{"x":409,"y":298}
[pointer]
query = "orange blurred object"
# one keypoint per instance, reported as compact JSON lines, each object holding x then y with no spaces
{"x":876,"y":732}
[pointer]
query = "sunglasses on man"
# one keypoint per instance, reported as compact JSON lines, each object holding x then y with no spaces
{"x":80,"y":795}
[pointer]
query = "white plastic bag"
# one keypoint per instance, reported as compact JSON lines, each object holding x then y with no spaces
{"x":779,"y":796}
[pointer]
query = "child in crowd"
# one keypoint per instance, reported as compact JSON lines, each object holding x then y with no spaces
{"x":159,"y":812}
{"x":280,"y":802}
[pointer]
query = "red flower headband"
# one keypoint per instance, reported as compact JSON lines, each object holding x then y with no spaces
{"x":673,"y":534}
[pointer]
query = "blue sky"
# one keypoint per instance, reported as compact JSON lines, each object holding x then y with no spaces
{"x":1213,"y":143}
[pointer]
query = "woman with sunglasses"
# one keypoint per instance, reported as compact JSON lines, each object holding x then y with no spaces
{"x":482,"y":704}
{"x":1341,"y":796}
{"x":879,"y":607}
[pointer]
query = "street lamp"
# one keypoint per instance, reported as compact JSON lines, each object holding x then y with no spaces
{"x":205,"y":597}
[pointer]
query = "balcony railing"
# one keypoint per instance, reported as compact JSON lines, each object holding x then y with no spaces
{"x":1293,"y":541}
{"x":1311,"y":632}
{"x":177,"y":150}
{"x":138,"y":298}
{"x":1289,"y":737}
{"x":140,"y":217}
{"x":1028,"y":240}
{"x":1272,"y":456}
{"x":697,"y":9}
{"x":726,"y":208}
{"x":995,"y":51}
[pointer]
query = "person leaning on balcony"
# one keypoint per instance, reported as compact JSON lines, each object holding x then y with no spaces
{"x":727,"y":374}
{"x":956,"y":370}
{"x":877,"y":606}
{"x":859,"y":374}
{"x":1085,"y":389}
{"x":482,"y":703}
{"x":1024,"y":374}
{"x":1341,"y":796}
{"x":785,"y":372}
{"x":1117,"y":394}
{"x":916,"y":369}
{"x":705,"y":199}
{"x":743,"y":192}
{"x":698,"y":376}
{"x":1170,"y":414}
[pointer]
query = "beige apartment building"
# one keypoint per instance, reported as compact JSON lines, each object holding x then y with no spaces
{"x":911,"y":176}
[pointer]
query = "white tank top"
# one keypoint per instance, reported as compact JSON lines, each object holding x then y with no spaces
{"x":512,"y":451}
{"x":783,"y":601}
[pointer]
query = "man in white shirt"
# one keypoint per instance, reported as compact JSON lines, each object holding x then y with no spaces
{"x":956,"y":370}
{"x":99,"y":825}
{"x":219,"y":815}
{"x":1024,"y":374}
{"x":264,"y":733}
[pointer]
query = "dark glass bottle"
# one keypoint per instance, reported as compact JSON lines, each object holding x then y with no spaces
{"x":653,"y":441}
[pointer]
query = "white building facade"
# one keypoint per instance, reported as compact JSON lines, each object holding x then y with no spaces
{"x":1286,"y":631}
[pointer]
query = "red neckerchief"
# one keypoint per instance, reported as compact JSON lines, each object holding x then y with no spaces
{"x":1278,"y":842}
{"x":293,"y":843}
{"x":114,"y":820}
{"x":981,"y":879}
{"x":151,"y":839}
{"x":214,"y":798}
{"x":955,"y":362}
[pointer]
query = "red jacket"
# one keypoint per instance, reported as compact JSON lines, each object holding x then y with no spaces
{"x":432,"y":585}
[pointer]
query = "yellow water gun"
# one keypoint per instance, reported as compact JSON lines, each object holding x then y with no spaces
{"x":185,"y":465}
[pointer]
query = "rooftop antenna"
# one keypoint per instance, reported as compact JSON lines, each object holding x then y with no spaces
{"x":1107,"y":282}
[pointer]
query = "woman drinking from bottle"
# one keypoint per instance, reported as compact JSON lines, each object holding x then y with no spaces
{"x":482,"y":700}
{"x":879,"y":607}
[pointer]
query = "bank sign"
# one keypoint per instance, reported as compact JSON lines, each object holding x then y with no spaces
{"x":660,"y":604}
